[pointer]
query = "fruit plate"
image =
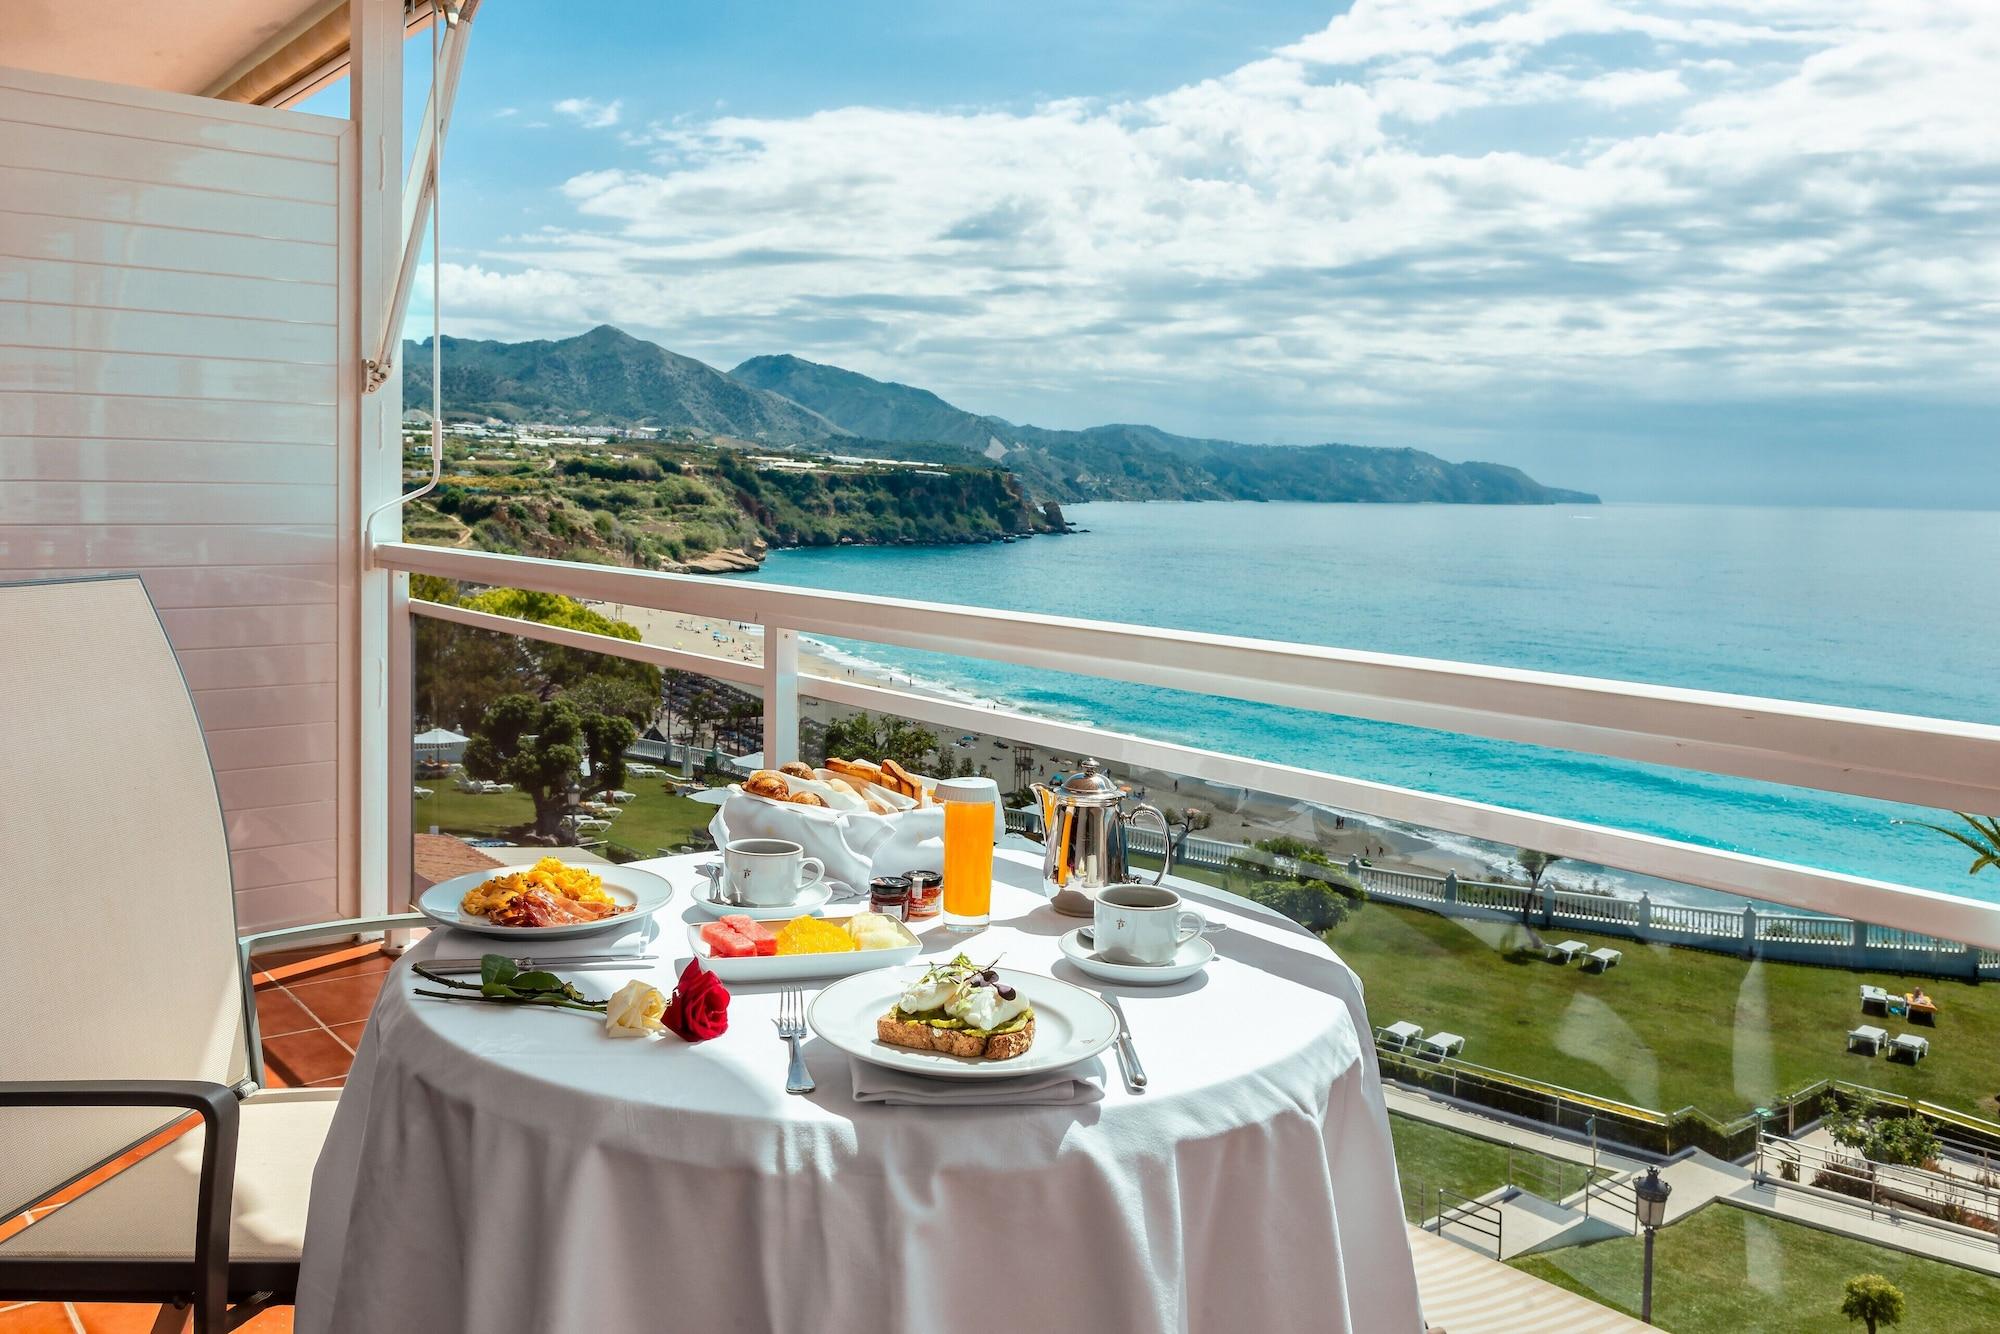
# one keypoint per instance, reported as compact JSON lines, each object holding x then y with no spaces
{"x":800,"y":967}
{"x":1071,"y":1025}
{"x":645,"y":892}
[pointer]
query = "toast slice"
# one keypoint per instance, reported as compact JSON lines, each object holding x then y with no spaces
{"x":918,"y":1036}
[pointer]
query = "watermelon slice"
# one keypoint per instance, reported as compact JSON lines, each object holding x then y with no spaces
{"x":724,"y":941}
{"x":753,"y":931}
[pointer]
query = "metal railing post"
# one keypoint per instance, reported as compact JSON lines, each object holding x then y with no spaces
{"x":781,"y":696}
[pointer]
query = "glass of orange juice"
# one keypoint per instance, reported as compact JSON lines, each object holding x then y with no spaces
{"x":968,"y":804}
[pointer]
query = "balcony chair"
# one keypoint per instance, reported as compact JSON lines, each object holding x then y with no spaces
{"x":129,"y":1003}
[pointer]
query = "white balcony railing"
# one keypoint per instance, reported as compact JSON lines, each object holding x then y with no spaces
{"x":1926,"y":762}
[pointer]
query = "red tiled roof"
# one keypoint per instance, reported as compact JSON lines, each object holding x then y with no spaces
{"x":437,"y":857}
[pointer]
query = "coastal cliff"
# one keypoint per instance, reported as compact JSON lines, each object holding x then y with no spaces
{"x":702,"y":506}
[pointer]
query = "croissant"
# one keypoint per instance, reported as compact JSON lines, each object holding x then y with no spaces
{"x":796,"y":770}
{"x":765,"y":783}
{"x":808,"y":799}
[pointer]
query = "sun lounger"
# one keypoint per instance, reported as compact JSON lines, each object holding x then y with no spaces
{"x":1399,"y":1034}
{"x":1867,"y":1036}
{"x":1876,"y":997}
{"x":1567,"y":951}
{"x":1604,"y":957}
{"x":1910,"y":1045}
{"x":1441,"y":1045}
{"x":1920,"y":1011}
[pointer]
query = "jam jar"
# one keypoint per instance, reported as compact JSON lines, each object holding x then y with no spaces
{"x":890,"y":896}
{"x":926,"y":895}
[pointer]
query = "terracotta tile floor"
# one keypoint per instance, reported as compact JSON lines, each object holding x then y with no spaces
{"x":311,"y":1009}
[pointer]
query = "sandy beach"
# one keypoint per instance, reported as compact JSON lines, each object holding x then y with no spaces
{"x":1235,"y":815}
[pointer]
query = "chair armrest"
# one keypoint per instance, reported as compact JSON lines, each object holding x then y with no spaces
{"x":247,"y":947}
{"x":217,"y":1105}
{"x":259,"y":941}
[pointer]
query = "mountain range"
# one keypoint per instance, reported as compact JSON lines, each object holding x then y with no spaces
{"x":608,"y":378}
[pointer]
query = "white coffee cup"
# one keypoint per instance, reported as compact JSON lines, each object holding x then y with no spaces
{"x":768,"y":872}
{"x":1143,"y":924}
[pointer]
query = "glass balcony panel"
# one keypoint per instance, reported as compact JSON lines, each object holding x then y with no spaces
{"x":1547,"y":1031}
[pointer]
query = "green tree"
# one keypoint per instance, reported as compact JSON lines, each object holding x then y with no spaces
{"x":615,"y":696}
{"x":1872,"y":1300}
{"x":556,"y":666}
{"x":1901,"y":1141}
{"x":540,"y":748}
{"x":459,"y":671}
{"x":863,"y":736}
{"x":1298,"y":879}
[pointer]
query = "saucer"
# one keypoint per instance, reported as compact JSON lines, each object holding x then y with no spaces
{"x":810,"y":900}
{"x":1191,"y":958}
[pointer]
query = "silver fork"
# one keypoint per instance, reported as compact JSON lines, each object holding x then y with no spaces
{"x":791,"y":1022}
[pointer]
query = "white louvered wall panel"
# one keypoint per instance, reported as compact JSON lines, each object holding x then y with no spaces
{"x":173,"y":337}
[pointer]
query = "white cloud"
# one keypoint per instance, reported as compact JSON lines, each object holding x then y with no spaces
{"x":589,"y":113}
{"x":1681,"y":199}
{"x":1631,"y":87}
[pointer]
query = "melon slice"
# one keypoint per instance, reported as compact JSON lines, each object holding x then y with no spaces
{"x":753,"y":931}
{"x":724,"y":941}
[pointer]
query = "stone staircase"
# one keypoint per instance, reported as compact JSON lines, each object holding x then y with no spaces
{"x":1510,"y":1221}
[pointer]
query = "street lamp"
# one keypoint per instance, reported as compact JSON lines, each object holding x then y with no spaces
{"x":1650,"y":1206}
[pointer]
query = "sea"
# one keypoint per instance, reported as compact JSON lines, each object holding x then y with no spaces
{"x":1874,"y":608}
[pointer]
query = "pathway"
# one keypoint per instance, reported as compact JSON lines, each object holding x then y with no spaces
{"x":1466,"y":1293}
{"x":1438,"y":1112}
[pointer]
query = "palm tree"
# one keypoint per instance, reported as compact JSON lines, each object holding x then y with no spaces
{"x":1536,"y":864}
{"x":1984,"y":840}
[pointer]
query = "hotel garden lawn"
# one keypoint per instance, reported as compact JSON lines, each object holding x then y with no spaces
{"x":1666,"y":1028}
{"x":1429,"y":1156}
{"x":1723,"y":1269}
{"x":654,"y":819}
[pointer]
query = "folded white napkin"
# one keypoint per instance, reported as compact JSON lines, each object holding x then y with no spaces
{"x":1077,"y":1084}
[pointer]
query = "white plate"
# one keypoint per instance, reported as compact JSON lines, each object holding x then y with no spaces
{"x":646,"y":892}
{"x":809,"y":901}
{"x":1191,"y":958}
{"x":798,"y":967}
{"x":1071,"y":1025}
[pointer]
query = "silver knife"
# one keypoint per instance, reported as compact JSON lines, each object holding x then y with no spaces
{"x":1128,"y":1055}
{"x":548,"y":961}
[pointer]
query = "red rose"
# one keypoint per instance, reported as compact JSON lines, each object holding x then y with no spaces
{"x":700,"y":1007}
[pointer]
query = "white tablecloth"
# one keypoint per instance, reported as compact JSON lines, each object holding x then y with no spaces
{"x":497,"y":1171}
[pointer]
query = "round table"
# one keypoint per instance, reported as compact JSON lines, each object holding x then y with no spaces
{"x":498,"y":1170}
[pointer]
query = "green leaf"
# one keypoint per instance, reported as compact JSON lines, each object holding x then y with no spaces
{"x":541,"y":983}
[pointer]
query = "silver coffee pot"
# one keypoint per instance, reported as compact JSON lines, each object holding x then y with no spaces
{"x":1083,"y":839}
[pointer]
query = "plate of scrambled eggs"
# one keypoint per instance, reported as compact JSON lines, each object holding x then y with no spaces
{"x":549,"y":899}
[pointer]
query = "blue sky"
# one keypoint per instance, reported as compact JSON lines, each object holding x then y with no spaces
{"x":1667,"y":251}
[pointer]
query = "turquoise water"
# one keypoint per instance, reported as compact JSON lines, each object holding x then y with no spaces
{"x":1873,"y":608}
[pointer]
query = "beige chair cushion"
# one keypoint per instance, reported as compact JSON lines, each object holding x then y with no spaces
{"x":147,"y":1211}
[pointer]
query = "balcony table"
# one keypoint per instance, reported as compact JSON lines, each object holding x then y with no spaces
{"x":496,"y":1170}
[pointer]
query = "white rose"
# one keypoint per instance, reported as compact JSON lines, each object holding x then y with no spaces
{"x":634,"y":1011}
